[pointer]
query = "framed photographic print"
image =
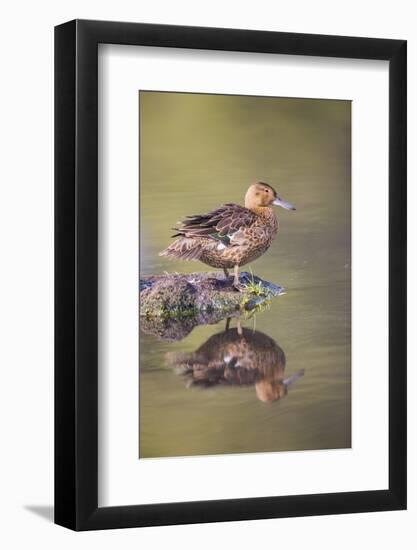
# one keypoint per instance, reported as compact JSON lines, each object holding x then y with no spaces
{"x":230,"y":275}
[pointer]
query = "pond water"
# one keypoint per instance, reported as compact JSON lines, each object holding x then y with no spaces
{"x":197,"y":152}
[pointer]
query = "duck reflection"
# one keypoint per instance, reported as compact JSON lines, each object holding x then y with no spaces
{"x":237,"y":357}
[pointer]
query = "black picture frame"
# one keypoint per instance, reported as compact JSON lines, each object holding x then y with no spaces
{"x":76,"y":272}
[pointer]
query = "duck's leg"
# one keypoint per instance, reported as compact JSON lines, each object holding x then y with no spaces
{"x":239,"y":327}
{"x":227,"y":324}
{"x":236,"y":280}
{"x":236,"y":272}
{"x":226,"y":272}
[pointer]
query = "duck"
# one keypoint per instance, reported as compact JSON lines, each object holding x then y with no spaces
{"x":237,"y":357}
{"x":231,"y":235}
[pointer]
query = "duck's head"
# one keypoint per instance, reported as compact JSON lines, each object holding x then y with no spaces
{"x":270,"y":390}
{"x":261,"y":194}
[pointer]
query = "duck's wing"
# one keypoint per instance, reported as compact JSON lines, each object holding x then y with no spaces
{"x":220,"y":224}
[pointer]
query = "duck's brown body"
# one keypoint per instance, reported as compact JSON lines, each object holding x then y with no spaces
{"x":232,"y":235}
{"x":249,"y":243}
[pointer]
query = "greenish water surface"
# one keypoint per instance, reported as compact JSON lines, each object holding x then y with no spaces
{"x":197,"y":152}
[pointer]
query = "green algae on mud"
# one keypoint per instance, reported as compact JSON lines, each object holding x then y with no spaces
{"x":176,"y":295}
{"x":188,"y":300}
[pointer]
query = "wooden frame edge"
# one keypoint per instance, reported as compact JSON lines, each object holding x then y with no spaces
{"x":76,"y":375}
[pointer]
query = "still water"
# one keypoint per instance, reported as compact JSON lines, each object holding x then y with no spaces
{"x":286,"y":381}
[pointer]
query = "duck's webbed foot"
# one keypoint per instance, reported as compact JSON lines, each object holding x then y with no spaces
{"x":239,"y":286}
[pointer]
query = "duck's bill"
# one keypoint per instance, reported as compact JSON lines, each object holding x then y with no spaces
{"x":283,"y":204}
{"x":293,"y":378}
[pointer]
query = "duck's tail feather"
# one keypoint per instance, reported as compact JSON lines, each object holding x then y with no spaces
{"x":184,"y":249}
